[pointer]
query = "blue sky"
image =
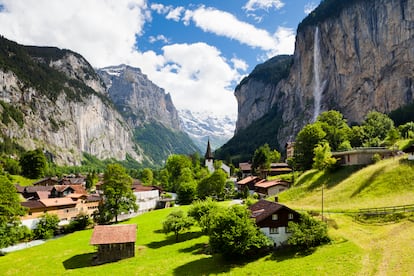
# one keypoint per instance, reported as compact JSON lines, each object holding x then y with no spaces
{"x":197,"y":51}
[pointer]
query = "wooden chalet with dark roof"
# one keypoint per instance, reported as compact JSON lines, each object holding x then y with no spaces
{"x":271,"y":187}
{"x":114,"y":242}
{"x":247,"y":182}
{"x":273,"y":218}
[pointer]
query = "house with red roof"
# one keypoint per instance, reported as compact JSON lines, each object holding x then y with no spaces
{"x":273,"y":218}
{"x":272,"y":187}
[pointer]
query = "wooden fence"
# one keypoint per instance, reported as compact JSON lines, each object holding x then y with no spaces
{"x":386,"y":210}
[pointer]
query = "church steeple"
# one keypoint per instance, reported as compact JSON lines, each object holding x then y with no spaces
{"x":209,"y":154}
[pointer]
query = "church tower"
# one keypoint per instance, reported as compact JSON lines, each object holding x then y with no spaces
{"x":209,"y":163}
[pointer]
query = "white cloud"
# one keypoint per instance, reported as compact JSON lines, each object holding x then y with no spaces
{"x":175,"y":14}
{"x":102,"y":31}
{"x":162,"y":38}
{"x":309,"y":7}
{"x":196,"y":75}
{"x":253,"y":5}
{"x":225,"y":24}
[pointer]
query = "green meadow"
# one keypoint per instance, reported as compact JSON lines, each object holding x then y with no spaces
{"x":357,"y":248}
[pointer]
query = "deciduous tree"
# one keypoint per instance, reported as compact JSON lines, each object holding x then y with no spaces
{"x":177,"y":222}
{"x":33,"y":164}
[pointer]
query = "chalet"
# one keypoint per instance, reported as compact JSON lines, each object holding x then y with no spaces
{"x":146,"y":196}
{"x":277,"y":169}
{"x":65,"y":190}
{"x":247,"y":182}
{"x":410,"y":151}
{"x":362,"y":156}
{"x":34,"y":192}
{"x":114,"y":242}
{"x":48,"y":181}
{"x":246,"y":169}
{"x":272,"y":218}
{"x":268,"y":188}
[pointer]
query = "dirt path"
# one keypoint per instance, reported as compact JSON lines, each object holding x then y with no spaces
{"x":388,"y":248}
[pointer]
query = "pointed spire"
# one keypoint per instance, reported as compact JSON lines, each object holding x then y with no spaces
{"x":209,"y":154}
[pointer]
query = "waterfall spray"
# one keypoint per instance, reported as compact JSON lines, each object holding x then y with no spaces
{"x":317,"y":89}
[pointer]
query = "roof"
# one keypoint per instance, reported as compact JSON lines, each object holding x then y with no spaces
{"x":245,"y":166}
{"x":32,"y":204}
{"x":247,"y":180}
{"x":62,"y":201}
{"x":34,"y":189}
{"x":108,"y":234}
{"x":93,"y":198}
{"x":264,"y":208}
{"x":268,"y":184}
{"x":209,"y":154}
{"x":46,"y":179}
{"x":43,"y":194}
{"x":279,"y":165}
{"x":77,"y":189}
{"x":20,"y":189}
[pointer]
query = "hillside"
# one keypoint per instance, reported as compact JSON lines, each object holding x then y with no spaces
{"x":386,"y":183}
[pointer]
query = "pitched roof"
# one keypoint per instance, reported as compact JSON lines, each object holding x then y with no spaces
{"x":108,"y":234}
{"x":60,"y":201}
{"x":245,"y":166}
{"x":268,"y":184}
{"x":34,"y":189}
{"x":43,"y":194}
{"x":209,"y":154}
{"x":247,"y":179}
{"x":32,"y":204}
{"x":264,"y":208}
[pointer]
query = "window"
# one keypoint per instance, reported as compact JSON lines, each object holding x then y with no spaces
{"x":274,"y":217}
{"x":274,"y":230}
{"x":290,"y":216}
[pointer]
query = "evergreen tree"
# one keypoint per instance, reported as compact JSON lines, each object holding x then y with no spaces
{"x":33,"y":164}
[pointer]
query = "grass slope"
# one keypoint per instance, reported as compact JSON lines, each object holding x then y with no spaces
{"x":158,"y":254}
{"x":386,"y":183}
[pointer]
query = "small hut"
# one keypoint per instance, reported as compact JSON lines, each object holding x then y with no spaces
{"x":114,"y":242}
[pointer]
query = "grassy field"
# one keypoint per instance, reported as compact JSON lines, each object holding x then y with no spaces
{"x":356,"y":249}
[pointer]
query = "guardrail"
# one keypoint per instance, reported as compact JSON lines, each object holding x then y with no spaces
{"x":386,"y":210}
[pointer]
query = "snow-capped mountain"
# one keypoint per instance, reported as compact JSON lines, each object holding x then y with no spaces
{"x":201,"y":126}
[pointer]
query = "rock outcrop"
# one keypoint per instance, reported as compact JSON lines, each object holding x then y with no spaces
{"x":366,"y":63}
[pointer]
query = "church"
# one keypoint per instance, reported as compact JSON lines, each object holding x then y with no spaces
{"x":209,"y":161}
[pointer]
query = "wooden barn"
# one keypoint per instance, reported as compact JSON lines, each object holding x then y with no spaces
{"x":114,"y":242}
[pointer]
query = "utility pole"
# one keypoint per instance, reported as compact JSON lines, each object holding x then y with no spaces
{"x":322,"y":201}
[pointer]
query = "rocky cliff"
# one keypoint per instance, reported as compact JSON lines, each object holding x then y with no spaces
{"x":53,"y":99}
{"x":356,"y":59}
{"x":138,"y":98}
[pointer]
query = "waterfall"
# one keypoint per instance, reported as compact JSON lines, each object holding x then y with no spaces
{"x":318,"y":88}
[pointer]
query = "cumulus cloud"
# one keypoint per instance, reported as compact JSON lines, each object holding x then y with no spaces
{"x":226,"y":24}
{"x":162,"y":38}
{"x":309,"y":7}
{"x":253,"y":5}
{"x":103,"y":36}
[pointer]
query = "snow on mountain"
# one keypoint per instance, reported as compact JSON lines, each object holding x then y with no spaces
{"x":201,"y":126}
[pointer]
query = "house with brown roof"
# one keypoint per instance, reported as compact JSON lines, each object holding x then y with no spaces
{"x":273,"y":218}
{"x":114,"y":242}
{"x":146,"y":196}
{"x":247,"y":183}
{"x":272,"y":187}
{"x":245,"y":168}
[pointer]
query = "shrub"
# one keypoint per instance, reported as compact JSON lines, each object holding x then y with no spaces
{"x":47,"y":226}
{"x":81,"y":222}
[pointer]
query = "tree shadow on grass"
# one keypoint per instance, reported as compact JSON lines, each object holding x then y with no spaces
{"x":289,"y":253}
{"x":79,"y":261}
{"x":365,"y":184}
{"x":198,"y":248}
{"x":171,"y":239}
{"x":206,"y":266}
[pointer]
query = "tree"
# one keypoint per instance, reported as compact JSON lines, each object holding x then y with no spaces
{"x":33,"y":164}
{"x":91,"y":180}
{"x":323,"y":159}
{"x":147,"y":176}
{"x":47,"y":226}
{"x":187,"y":192}
{"x":307,"y":139}
{"x":407,"y":130}
{"x":335,"y":126}
{"x":233,"y":233}
{"x":10,"y":212}
{"x":118,"y":195}
{"x":200,"y":211}
{"x":261,"y":159}
{"x":175,"y":165}
{"x":376,"y":127}
{"x":392,"y":137}
{"x":308,"y":232}
{"x":11,"y":165}
{"x":212,"y":185}
{"x":177,"y":222}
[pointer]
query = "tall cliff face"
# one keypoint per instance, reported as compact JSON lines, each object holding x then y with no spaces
{"x":59,"y":105}
{"x":137,"y":98}
{"x":366,"y":62}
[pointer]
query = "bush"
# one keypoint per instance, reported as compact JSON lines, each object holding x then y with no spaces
{"x":200,"y":210}
{"x":308,"y":233}
{"x":47,"y":227}
{"x":81,"y":222}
